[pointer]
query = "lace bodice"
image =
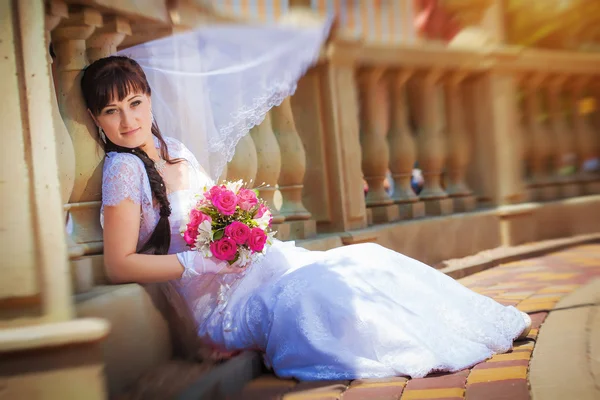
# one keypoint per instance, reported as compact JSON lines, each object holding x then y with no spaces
{"x":124,"y":177}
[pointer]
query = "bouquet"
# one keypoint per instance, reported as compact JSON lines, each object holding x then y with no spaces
{"x":230,"y":223}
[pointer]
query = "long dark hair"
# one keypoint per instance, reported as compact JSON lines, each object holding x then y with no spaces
{"x":121,"y":76}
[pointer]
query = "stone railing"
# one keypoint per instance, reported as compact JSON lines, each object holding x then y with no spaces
{"x":499,"y":135}
{"x":490,"y":129}
{"x":454,"y":98}
{"x":369,"y":108}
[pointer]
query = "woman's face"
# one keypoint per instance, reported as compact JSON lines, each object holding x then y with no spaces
{"x":127,"y":123}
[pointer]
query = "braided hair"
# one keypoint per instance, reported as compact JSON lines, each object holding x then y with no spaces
{"x":120,"y":76}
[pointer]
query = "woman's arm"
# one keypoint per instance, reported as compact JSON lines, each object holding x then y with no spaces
{"x":123,"y":264}
{"x":122,"y":186}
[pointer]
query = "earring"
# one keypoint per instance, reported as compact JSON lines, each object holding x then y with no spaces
{"x":102,"y":134}
{"x":152,"y":117}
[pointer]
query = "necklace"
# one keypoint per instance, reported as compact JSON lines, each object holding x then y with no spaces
{"x":160,"y":165}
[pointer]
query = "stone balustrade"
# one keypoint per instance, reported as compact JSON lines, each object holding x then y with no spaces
{"x":369,"y":111}
{"x":556,"y":135}
{"x":497,"y":135}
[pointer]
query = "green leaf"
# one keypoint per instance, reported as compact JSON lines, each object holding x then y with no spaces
{"x":219,"y":234}
{"x":237,"y":256}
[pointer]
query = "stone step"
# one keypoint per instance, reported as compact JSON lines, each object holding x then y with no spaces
{"x":139,"y":338}
{"x":138,"y":351}
{"x":226,"y":380}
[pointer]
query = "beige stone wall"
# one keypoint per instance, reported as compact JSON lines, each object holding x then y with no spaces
{"x":34,"y":264}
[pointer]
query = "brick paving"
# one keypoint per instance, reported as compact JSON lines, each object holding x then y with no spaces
{"x":533,"y":285}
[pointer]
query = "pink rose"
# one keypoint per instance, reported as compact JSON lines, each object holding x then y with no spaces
{"x":238,"y":231}
{"x":213,"y":192}
{"x":197,"y":217}
{"x":190,"y":236}
{"x":262,"y":209}
{"x":225,"y":201}
{"x":247,"y":199}
{"x":257,"y":240}
{"x":224,"y":249}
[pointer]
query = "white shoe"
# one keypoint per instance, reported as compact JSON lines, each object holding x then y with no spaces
{"x":527,"y":329}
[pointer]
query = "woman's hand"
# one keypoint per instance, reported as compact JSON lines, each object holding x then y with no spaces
{"x":231,"y":269}
{"x":196,"y":264}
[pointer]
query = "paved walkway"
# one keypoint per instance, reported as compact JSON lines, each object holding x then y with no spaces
{"x":535,"y":286}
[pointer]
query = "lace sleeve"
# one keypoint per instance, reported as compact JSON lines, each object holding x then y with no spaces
{"x":122,"y":178}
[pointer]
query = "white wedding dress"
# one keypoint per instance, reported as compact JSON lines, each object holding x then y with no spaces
{"x":360,"y":311}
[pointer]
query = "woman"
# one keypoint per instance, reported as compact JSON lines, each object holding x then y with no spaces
{"x":358,"y":311}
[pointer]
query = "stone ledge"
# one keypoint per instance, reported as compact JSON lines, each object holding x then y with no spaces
{"x":565,"y":218}
{"x":516,"y":209}
{"x":583,"y":296}
{"x":78,"y":331}
{"x":226,"y":379}
{"x":565,"y":349}
{"x":363,"y":236}
{"x":459,"y":268}
{"x":166,"y":381}
{"x":140,"y":338}
{"x":434,"y":239}
{"x":321,"y":243}
{"x":71,"y":371}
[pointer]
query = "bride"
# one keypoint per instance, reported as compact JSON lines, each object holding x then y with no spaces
{"x":360,"y":311}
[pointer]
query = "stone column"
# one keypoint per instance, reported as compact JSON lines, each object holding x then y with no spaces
{"x":31,"y":223}
{"x":595,"y":121}
{"x":57,"y":10}
{"x":403,"y":151}
{"x":524,"y":153}
{"x":458,"y":145}
{"x":498,"y":154}
{"x":69,"y":44}
{"x":268,"y":166}
{"x":373,"y":139}
{"x":36,"y":310}
{"x":70,"y":47}
{"x":540,"y":146}
{"x":81,"y":272}
{"x":585,"y":142}
{"x":105,"y":39}
{"x":326,"y":109}
{"x":564,"y":155}
{"x":430,"y":141}
{"x":293,"y":167}
{"x":244,"y":163}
